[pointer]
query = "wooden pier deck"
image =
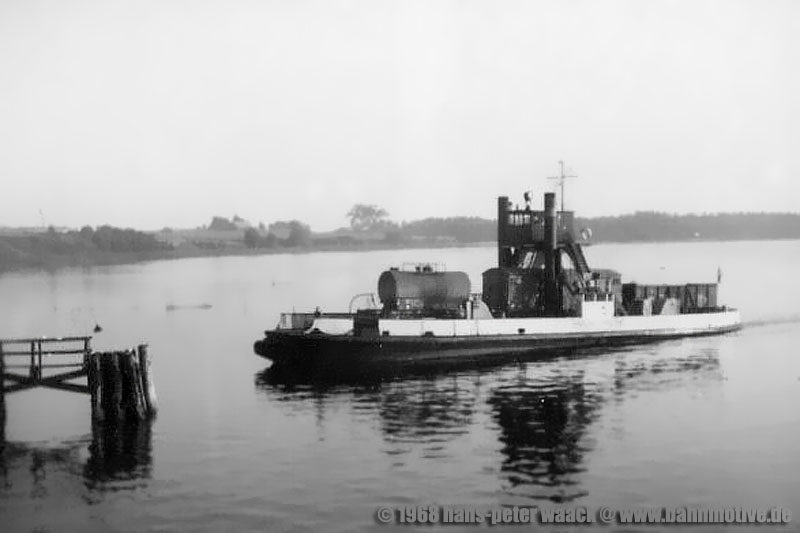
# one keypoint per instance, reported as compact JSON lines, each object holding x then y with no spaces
{"x":119,"y":383}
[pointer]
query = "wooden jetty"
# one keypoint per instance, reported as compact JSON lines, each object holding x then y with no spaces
{"x":119,"y":383}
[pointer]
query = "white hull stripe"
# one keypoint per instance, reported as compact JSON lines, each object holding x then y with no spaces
{"x":617,"y":325}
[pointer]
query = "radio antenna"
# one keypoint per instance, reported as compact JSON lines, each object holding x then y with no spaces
{"x":561,"y":178}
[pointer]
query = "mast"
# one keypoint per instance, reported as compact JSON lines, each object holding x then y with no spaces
{"x":561,"y":178}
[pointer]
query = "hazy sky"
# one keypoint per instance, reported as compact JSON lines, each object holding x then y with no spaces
{"x":164,"y":113}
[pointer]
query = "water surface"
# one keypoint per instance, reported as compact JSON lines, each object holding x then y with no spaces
{"x":704,"y":422}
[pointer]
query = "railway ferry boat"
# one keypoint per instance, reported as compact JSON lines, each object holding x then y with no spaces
{"x":541,"y":299}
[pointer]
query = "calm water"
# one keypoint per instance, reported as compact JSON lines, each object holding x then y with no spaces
{"x":708,"y":421}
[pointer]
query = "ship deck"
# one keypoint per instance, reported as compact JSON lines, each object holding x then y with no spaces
{"x":496,"y":339}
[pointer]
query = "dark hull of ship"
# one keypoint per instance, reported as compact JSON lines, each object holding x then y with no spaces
{"x":348,"y":353}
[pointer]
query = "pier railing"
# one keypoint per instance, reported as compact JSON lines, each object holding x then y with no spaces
{"x":37,"y":355}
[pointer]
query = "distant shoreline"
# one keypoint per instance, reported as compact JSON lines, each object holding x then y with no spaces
{"x":52,"y":262}
{"x":54,"y":248}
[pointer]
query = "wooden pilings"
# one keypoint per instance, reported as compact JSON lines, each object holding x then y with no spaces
{"x":147,"y":379}
{"x":120,"y":385}
{"x":93,"y":378}
{"x":123,"y":407}
{"x":2,"y":399}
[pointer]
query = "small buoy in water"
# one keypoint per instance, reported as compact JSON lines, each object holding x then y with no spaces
{"x":97,"y":328}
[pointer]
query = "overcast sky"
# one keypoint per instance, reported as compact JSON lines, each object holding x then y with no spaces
{"x":164,"y":113}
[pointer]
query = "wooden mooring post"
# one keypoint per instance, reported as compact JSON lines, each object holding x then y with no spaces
{"x":119,"y":383}
{"x":2,"y":399}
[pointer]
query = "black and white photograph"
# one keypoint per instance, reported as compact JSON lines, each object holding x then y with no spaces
{"x":399,"y":265}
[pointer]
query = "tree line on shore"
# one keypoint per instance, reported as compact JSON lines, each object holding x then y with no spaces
{"x":54,"y":247}
{"x":370,"y":226}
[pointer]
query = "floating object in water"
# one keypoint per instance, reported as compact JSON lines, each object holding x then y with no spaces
{"x":97,"y":328}
{"x":173,"y":307}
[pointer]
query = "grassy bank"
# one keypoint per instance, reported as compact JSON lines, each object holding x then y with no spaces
{"x":14,"y":258}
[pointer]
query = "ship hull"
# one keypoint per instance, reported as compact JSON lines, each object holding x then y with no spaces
{"x":532,"y":338}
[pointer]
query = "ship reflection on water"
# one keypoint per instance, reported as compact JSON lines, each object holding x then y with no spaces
{"x":116,"y":457}
{"x":542,"y":425}
{"x":429,"y":412}
{"x":538,"y":416}
{"x":416,"y":410}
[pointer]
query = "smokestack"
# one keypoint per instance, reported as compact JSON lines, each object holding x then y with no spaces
{"x":502,"y":224}
{"x":552,"y":299}
{"x":550,"y":220}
